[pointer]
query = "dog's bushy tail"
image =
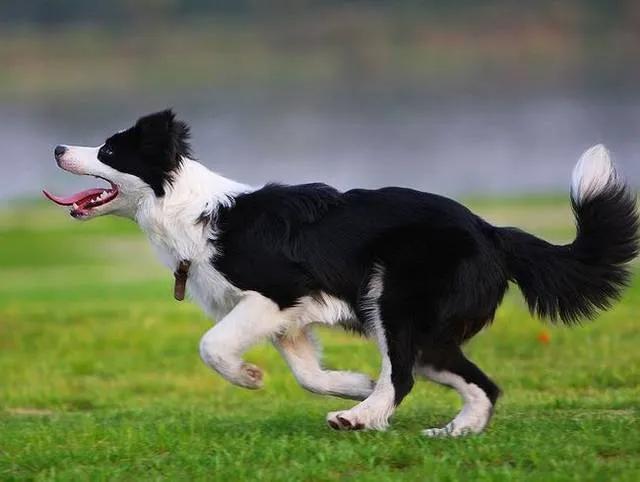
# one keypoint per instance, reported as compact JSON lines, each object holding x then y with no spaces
{"x":575,"y":281}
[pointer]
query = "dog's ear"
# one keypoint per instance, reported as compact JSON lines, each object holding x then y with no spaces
{"x":164,"y":140}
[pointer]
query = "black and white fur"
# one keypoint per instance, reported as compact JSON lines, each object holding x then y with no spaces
{"x":418,"y":273}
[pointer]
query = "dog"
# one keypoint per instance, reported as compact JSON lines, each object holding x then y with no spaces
{"x":418,"y":273}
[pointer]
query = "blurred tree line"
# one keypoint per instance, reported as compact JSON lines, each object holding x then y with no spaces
{"x":131,"y":12}
{"x":55,"y":46}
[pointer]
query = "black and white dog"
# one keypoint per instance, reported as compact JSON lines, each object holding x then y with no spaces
{"x":418,"y":273}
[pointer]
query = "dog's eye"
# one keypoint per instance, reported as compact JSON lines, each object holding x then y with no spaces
{"x":105,"y":151}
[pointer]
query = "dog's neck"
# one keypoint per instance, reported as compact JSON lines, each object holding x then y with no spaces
{"x":173,"y":223}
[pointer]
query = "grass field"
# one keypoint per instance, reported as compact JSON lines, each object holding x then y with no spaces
{"x":100,"y":378}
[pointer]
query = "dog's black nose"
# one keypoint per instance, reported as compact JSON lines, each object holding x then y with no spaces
{"x":59,"y":151}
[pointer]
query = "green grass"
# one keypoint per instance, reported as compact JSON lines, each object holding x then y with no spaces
{"x":100,"y":378}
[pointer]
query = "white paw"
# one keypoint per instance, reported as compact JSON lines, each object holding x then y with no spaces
{"x":357,"y":420}
{"x":457,"y":428}
{"x":250,"y":376}
{"x":473,"y":417}
{"x":344,"y":421}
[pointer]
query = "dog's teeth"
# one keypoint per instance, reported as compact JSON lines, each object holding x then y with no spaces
{"x":75,"y":206}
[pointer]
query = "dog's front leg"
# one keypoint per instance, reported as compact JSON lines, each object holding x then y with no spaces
{"x":253,"y":319}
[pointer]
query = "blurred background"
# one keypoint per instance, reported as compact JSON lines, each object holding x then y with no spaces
{"x":492,"y":97}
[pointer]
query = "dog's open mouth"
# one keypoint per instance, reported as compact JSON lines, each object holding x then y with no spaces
{"x":83,"y":202}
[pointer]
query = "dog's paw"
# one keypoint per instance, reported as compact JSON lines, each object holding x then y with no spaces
{"x":451,"y":430}
{"x":472,"y":419}
{"x":358,"y":419}
{"x":251,"y":376}
{"x":344,"y":421}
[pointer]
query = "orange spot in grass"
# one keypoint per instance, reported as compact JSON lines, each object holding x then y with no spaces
{"x":544,"y":337}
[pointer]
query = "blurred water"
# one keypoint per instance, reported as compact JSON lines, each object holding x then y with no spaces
{"x":454,"y":144}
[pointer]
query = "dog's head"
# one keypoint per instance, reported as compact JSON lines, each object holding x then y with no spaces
{"x":138,"y":162}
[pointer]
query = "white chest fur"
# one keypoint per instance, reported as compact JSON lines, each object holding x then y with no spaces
{"x":171,"y":224}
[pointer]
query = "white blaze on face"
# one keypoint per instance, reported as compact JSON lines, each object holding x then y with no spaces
{"x":80,"y":160}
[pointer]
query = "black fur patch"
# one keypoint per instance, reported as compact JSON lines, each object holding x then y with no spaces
{"x":286,"y":242}
{"x":151,"y":150}
{"x":575,"y":281}
{"x":445,"y":269}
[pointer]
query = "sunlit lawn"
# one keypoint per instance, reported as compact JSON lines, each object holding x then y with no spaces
{"x":100,"y":378}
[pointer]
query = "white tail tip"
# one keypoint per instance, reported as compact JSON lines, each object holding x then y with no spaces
{"x":592,"y":174}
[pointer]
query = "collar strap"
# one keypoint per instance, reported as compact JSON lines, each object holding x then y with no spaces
{"x":181,"y":274}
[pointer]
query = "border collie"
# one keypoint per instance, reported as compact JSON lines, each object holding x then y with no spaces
{"x":418,"y":273}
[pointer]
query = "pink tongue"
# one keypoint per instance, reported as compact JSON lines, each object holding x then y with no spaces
{"x":68,"y":201}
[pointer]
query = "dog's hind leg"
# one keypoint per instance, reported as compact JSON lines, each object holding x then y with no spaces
{"x":302,"y":353}
{"x":254,"y":319}
{"x":394,"y":338}
{"x":448,"y":366}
